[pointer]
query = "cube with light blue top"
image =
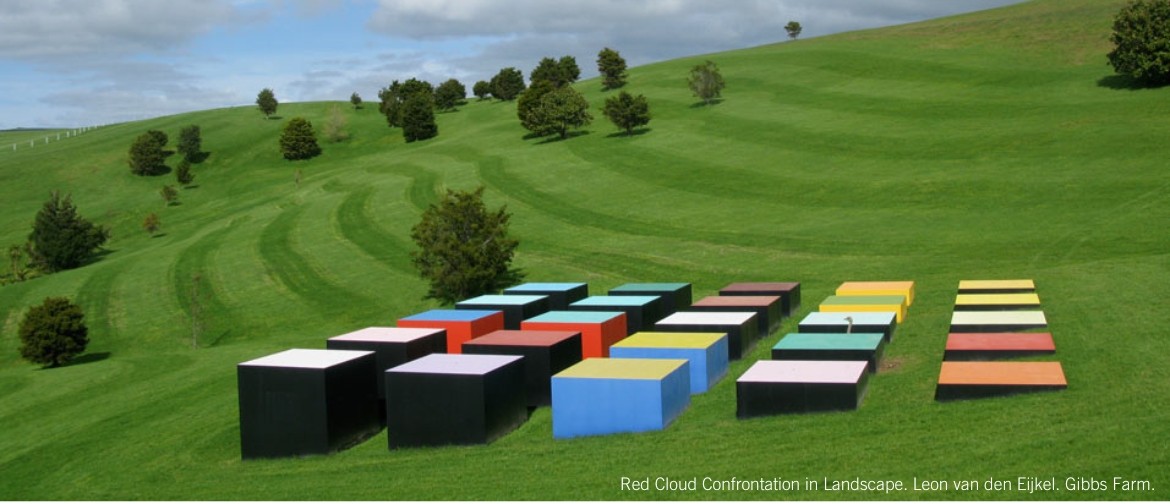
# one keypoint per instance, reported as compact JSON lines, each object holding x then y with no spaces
{"x":516,"y":308}
{"x":641,"y":311}
{"x":706,"y":353}
{"x":560,"y":294}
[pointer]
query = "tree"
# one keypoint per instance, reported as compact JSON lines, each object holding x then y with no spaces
{"x":706,"y":81}
{"x":558,"y":72}
{"x":560,"y":110}
{"x":183,"y":174}
{"x":151,"y":224}
{"x":355,"y":100}
{"x":298,"y":140}
{"x":449,"y":94}
{"x":627,"y":111}
{"x":335,"y":125}
{"x":1141,"y":34}
{"x":266,"y":100}
{"x":418,"y":118}
{"x":16,"y":262}
{"x":190,"y":143}
{"x":146,"y":153}
{"x":61,"y":239}
{"x":530,"y":100}
{"x":507,"y":84}
{"x":169,"y":194}
{"x":395,"y":96}
{"x":612,"y":67}
{"x":793,"y":29}
{"x":53,"y":333}
{"x":463,"y":249}
{"x":482,"y":90}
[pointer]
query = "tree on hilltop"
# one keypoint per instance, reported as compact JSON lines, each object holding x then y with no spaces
{"x":482,"y":90}
{"x":53,"y":333}
{"x":463,"y":248}
{"x":793,"y":28}
{"x":612,"y":67}
{"x":1141,"y":35}
{"x":449,"y":94}
{"x":507,"y":84}
{"x":266,"y":100}
{"x":355,"y":100}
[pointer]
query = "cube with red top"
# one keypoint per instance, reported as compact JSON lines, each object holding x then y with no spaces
{"x":789,"y":292}
{"x":461,"y":325}
{"x":545,"y":354}
{"x":598,"y":329}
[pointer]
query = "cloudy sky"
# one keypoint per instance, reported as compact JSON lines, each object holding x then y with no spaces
{"x":68,"y":63}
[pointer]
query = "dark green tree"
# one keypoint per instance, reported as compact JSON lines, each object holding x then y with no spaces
{"x":146,"y":153}
{"x":560,"y":110}
{"x":190,"y":143}
{"x":61,"y":239}
{"x":1141,"y":35}
{"x":559,"y":72}
{"x":570,"y":72}
{"x":529,"y":101}
{"x":355,"y":100}
{"x":507,"y":84}
{"x":183,"y":174}
{"x":627,"y":111}
{"x":612,"y":67}
{"x":450,"y":94}
{"x":298,"y":140}
{"x":706,"y":81}
{"x":266,"y":100}
{"x":463,"y":249}
{"x":53,"y":333}
{"x":395,"y":96}
{"x":793,"y":28}
{"x":482,"y":90}
{"x":418,"y":118}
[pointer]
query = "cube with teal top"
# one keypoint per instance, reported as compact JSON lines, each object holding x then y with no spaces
{"x":609,"y":396}
{"x":832,"y":347}
{"x":516,"y":308}
{"x":641,"y":311}
{"x":560,"y":294}
{"x":706,"y":353}
{"x":675,"y":296}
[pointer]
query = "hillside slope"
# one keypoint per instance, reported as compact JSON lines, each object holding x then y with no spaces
{"x":990,"y":145}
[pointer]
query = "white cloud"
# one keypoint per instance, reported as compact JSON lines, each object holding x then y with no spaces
{"x":44,"y":30}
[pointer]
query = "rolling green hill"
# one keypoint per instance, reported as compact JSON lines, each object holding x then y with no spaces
{"x":990,"y":145}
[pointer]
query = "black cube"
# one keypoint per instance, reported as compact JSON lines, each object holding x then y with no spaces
{"x":446,"y":399}
{"x":675,"y":296}
{"x":742,"y":328}
{"x":560,"y":295}
{"x":306,"y":402}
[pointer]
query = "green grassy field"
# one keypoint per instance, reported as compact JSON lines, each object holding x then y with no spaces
{"x":989,"y":145}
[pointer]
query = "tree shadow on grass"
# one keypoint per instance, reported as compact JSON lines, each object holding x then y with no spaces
{"x":558,"y":138}
{"x":703,"y":104}
{"x":1118,"y":82}
{"x":157,"y":235}
{"x":636,"y":132}
{"x":83,"y":359}
{"x":200,"y":157}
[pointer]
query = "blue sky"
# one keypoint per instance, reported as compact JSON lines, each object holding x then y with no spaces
{"x":69,"y":63}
